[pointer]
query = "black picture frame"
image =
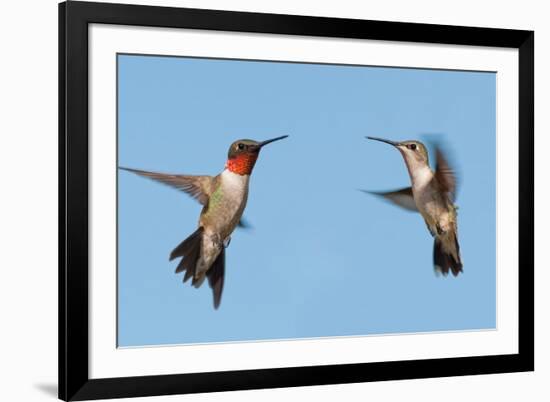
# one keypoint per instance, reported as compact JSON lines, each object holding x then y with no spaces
{"x":74,"y":381}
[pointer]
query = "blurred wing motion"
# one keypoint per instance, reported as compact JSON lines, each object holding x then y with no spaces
{"x":198,"y":187}
{"x":244,"y":224}
{"x":402,"y":197}
{"x":444,"y":174}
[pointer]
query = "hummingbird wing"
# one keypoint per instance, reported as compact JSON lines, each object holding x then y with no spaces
{"x":444,"y":174}
{"x":244,"y":224}
{"x":402,"y":197}
{"x":198,"y":187}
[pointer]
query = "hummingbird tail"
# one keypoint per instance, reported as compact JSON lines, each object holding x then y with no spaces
{"x":189,"y":250}
{"x":215,"y":276}
{"x":447,"y":255}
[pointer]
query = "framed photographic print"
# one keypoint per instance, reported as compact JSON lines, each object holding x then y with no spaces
{"x":256,"y":200}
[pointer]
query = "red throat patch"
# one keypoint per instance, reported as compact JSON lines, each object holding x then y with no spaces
{"x":242,"y":164}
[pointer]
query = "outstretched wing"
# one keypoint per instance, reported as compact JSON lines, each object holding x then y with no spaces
{"x":402,"y":197}
{"x":444,"y":174}
{"x":198,"y":187}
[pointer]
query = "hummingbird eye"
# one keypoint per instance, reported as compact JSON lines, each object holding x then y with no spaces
{"x":240,"y":145}
{"x":412,"y":146}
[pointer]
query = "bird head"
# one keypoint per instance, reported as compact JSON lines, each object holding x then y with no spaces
{"x":242,"y":155}
{"x":414,"y":152}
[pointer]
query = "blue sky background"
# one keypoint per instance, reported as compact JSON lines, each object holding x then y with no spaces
{"x":322,"y":259}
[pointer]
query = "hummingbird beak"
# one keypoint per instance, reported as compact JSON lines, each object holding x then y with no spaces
{"x":261,"y":144}
{"x":395,"y":144}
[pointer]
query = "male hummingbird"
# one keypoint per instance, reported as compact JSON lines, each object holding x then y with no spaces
{"x":224,"y":199}
{"x":432,"y":194}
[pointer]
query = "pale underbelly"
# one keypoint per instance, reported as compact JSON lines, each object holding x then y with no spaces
{"x":435,"y":213}
{"x":219,"y":225}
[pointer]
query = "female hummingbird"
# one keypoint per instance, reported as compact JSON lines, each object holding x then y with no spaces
{"x":224,"y":199}
{"x":432,"y":194}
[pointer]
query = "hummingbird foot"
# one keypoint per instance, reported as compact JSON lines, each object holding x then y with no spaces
{"x":440,"y":230}
{"x":220,"y":243}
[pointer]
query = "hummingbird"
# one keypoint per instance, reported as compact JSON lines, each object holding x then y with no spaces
{"x":432,"y":193}
{"x":224,"y":199}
